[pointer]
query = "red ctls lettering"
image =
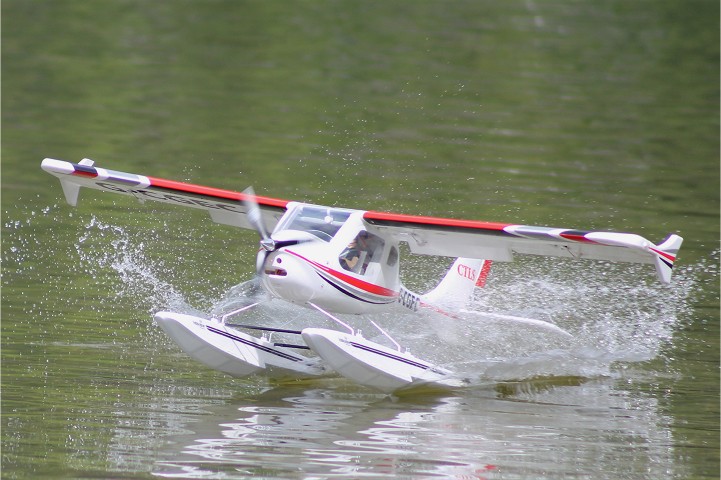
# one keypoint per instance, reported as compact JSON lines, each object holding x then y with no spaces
{"x":467,"y":272}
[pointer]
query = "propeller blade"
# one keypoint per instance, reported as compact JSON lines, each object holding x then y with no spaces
{"x":266,"y":241}
{"x":260,"y":261}
{"x":256,"y":219}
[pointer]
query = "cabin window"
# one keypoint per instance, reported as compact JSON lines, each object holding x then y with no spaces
{"x":365,"y":249}
{"x":322,"y":222}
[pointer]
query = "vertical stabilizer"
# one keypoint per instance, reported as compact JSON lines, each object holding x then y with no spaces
{"x":457,"y":287}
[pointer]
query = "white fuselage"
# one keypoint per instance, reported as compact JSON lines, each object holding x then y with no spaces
{"x":319,"y":270}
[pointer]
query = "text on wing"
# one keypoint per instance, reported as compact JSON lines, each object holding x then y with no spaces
{"x":169,"y":197}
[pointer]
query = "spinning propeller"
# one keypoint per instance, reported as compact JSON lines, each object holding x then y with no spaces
{"x":267,"y":243}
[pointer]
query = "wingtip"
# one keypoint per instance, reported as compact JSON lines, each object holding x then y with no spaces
{"x":61,"y":168}
{"x":665,"y":257}
{"x":54,"y":166}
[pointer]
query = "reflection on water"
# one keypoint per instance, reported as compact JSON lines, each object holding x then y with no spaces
{"x":545,"y":426}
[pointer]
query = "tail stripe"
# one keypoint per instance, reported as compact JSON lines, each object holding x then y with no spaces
{"x":668,"y":256}
{"x":483,"y":276}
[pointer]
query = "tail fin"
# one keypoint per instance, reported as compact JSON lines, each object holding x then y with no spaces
{"x":457,"y":287}
{"x":665,"y":256}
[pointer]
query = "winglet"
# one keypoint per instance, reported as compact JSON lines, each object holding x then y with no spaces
{"x":70,"y":189}
{"x":665,"y":256}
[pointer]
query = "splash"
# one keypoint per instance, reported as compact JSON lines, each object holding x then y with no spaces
{"x":614,"y":318}
{"x":143,"y":279}
{"x":616,"y":313}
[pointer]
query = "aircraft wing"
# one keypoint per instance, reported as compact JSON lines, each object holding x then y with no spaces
{"x":224,"y":206}
{"x":425,"y":235}
{"x":499,"y":241}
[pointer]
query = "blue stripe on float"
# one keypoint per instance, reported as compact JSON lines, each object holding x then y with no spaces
{"x":254,"y":345}
{"x":396,"y":357}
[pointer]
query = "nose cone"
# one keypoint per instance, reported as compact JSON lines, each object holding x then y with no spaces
{"x":289,"y":278}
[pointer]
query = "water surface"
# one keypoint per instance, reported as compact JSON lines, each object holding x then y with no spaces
{"x":591,"y":115}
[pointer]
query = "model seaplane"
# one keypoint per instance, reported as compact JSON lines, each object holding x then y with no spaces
{"x":344,"y":261}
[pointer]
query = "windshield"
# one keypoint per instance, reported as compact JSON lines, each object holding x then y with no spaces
{"x":323,"y":222}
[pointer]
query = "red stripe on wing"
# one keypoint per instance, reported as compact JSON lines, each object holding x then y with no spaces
{"x":576,"y":236}
{"x":84,"y":171}
{"x":380,"y":217}
{"x":213,"y":192}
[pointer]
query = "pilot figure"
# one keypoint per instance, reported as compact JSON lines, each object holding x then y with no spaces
{"x":355,"y":253}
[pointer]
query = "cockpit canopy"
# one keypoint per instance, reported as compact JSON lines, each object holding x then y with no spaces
{"x":323,"y":222}
{"x":346,"y":245}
